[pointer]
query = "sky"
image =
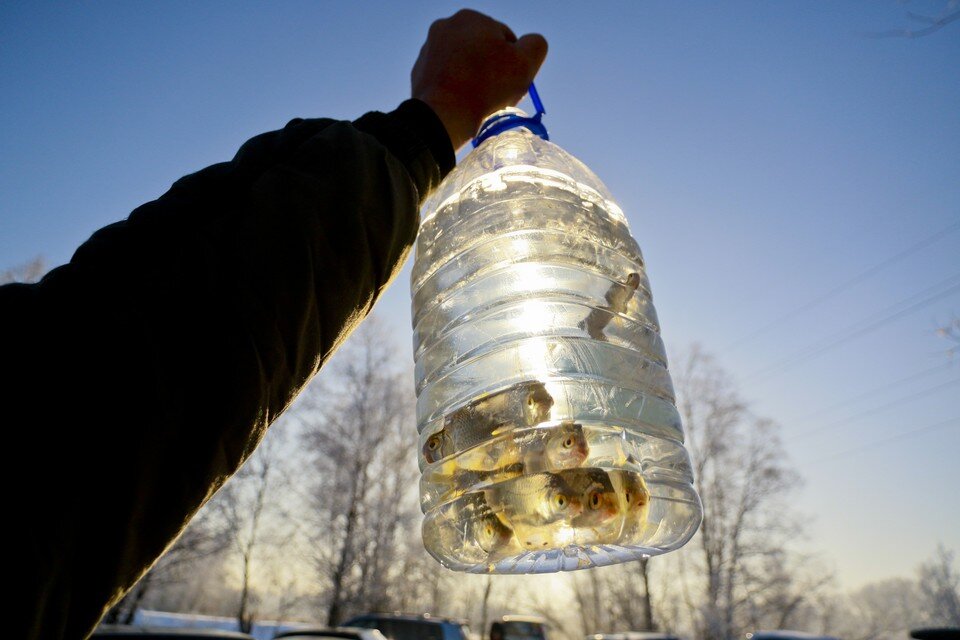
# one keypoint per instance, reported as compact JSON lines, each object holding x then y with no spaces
{"x":791,"y":179}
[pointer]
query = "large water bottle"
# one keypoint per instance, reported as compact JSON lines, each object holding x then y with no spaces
{"x":549,"y":436}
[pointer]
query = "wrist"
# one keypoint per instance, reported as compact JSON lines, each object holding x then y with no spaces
{"x":421,"y":120}
{"x":460,"y":126}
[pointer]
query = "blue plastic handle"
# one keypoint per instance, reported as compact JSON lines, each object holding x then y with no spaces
{"x":507,"y":121}
{"x":536,"y":101}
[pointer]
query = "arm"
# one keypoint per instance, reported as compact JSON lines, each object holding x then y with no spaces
{"x":149,"y":367}
{"x":172,"y":339}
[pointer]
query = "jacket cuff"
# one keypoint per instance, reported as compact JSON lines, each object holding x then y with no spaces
{"x":416,"y":136}
{"x":418,"y":115}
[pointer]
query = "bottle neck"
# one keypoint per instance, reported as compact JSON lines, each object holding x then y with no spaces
{"x":511,"y":118}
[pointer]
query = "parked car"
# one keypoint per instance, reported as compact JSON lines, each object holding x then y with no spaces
{"x":519,"y":628}
{"x":347,"y":633}
{"x":125,"y":632}
{"x":787,"y":635}
{"x":633,"y":635}
{"x":401,"y":626}
{"x":936,"y":633}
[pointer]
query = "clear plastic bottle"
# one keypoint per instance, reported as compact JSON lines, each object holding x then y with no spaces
{"x":549,"y":436}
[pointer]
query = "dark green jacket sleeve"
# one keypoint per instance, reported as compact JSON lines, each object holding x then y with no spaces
{"x":148,"y":368}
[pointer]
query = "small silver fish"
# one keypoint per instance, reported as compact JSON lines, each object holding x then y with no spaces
{"x":601,"y":504}
{"x":547,"y":449}
{"x":467,"y":479}
{"x":475,"y":523}
{"x":493,"y":536}
{"x":490,"y":533}
{"x":618,"y":297}
{"x":543,"y":509}
{"x":522,"y":405}
{"x":636,"y":496}
{"x":636,"y":503}
{"x":561,"y":447}
{"x":534,"y":501}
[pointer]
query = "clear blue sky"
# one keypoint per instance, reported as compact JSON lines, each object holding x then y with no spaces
{"x":764,"y":152}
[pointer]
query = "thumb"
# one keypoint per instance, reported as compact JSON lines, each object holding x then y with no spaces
{"x":533,"y":49}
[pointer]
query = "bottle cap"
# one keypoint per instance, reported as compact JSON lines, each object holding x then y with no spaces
{"x":511,"y":118}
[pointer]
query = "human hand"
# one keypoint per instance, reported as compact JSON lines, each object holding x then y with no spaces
{"x":470,"y":66}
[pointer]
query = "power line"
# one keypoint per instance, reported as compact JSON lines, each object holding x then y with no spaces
{"x":846,"y":402}
{"x":865,"y":326}
{"x":843,"y":286}
{"x":883,"y":407}
{"x":885,"y":441}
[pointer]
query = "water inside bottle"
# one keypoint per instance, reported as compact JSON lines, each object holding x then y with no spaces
{"x":549,"y":438}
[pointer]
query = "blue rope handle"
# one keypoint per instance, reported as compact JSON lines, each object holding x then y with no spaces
{"x":493,"y":126}
{"x":536,"y":102}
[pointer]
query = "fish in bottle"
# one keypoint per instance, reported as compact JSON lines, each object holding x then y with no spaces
{"x":599,"y":498}
{"x":535,"y":450}
{"x":491,"y":534}
{"x":521,"y":405}
{"x":476,"y":528}
{"x":636,"y":504}
{"x":561,"y":447}
{"x":542,"y":449}
{"x":536,"y":507}
{"x":618,"y":297}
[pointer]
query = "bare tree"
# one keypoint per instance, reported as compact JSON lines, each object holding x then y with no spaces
{"x":742,"y":476}
{"x":631,"y":601}
{"x":616,"y":598}
{"x":29,"y":271}
{"x":485,"y":604}
{"x":203,"y":587}
{"x":561,"y":614}
{"x":926,"y":24}
{"x":649,"y":623}
{"x":360,"y":432}
{"x":671,"y":598}
{"x":889,"y":608}
{"x":199,"y":541}
{"x":589,"y":594}
{"x":783,"y":597}
{"x":886,"y":609}
{"x":250,"y":518}
{"x":425,"y":585}
{"x":938,"y":583}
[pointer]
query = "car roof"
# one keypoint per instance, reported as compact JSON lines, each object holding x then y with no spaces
{"x":336,"y":632}
{"x":935,"y":633}
{"x":518,"y":618}
{"x":633,"y":635}
{"x":787,"y":635}
{"x":161,"y":633}
{"x":422,"y":617}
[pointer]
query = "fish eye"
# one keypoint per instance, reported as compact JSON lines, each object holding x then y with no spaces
{"x":433,"y":443}
{"x":561,"y":500}
{"x":488,"y":530}
{"x":627,"y":496}
{"x":595,"y":499}
{"x":568,"y":442}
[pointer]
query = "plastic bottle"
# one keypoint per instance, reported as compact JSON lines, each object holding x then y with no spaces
{"x":549,"y":436}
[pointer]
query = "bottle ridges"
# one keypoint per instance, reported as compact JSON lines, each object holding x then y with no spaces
{"x":549,"y":436}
